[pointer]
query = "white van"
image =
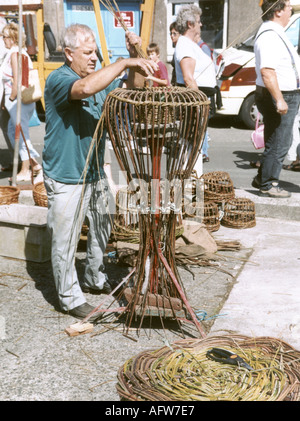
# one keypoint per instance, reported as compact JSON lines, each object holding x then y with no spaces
{"x":237,"y":83}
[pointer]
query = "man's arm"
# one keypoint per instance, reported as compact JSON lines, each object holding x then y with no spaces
{"x":271,"y":83}
{"x":99,"y":80}
{"x":139,"y":68}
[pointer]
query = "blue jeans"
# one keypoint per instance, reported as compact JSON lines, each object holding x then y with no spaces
{"x":26,"y":114}
{"x":205,"y":145}
{"x":278,"y":134}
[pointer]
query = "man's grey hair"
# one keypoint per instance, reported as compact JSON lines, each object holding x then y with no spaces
{"x":188,"y":13}
{"x":73,"y":32}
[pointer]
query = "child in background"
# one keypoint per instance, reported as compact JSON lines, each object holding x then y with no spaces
{"x":160,"y":77}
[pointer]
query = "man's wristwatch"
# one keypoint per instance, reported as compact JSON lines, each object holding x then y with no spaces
{"x":12,"y":100}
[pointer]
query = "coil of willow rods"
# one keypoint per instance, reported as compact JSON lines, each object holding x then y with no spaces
{"x":157,"y":134}
{"x":183,"y":372}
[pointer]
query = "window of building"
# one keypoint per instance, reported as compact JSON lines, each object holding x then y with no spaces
{"x":214,"y":21}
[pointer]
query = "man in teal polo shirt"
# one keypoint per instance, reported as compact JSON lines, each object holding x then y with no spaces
{"x":74,"y":177}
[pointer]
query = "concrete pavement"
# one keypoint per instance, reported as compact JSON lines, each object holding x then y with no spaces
{"x":265,"y":301}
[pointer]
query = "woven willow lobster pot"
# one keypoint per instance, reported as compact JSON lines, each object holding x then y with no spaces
{"x":218,"y":186}
{"x":239,"y":213}
{"x":40,"y":195}
{"x":157,"y":135}
{"x":9,"y":195}
{"x":211,"y":216}
{"x":206,"y":213}
{"x":183,"y":372}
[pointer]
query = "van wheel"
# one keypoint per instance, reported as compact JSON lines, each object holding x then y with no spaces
{"x":248,"y":112}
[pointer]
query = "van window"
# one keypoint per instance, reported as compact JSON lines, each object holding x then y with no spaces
{"x":293,"y":32}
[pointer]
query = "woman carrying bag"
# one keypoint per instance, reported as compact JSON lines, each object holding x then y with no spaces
{"x":9,"y":72}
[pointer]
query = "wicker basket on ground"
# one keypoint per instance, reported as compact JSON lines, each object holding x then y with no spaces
{"x":9,"y":194}
{"x":218,"y":186}
{"x":206,"y":213}
{"x":40,"y":195}
{"x":185,"y":372}
{"x":211,"y":216}
{"x":239,"y":213}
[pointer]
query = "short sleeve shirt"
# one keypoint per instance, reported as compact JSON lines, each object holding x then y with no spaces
{"x":161,"y":73}
{"x":6,"y":69}
{"x":204,"y":73}
{"x":70,"y":128}
{"x":271,"y":52}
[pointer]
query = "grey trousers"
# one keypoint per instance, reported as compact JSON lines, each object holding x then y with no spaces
{"x":68,"y":205}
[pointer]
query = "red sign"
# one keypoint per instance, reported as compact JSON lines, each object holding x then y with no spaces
{"x":127,"y":17}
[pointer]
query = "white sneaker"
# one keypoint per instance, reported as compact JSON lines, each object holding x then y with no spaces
{"x":275,"y":191}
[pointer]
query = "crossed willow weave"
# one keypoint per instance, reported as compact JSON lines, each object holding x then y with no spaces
{"x":182,"y":372}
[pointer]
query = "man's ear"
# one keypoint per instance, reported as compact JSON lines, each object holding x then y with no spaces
{"x":278,"y":13}
{"x":69,"y":54}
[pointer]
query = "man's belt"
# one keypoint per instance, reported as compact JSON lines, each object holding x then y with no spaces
{"x":262,"y":90}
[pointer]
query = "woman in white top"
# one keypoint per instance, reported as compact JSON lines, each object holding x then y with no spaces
{"x":9,"y":70}
{"x":194,"y":68}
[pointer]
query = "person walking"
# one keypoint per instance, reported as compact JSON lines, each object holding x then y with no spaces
{"x":9,"y":70}
{"x":277,"y":93}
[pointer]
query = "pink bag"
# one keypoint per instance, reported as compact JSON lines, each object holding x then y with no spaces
{"x":257,"y":136}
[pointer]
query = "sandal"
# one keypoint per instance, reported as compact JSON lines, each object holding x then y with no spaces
{"x":21,"y":177}
{"x":292,"y":167}
{"x":36,"y":170}
{"x":255,"y":164}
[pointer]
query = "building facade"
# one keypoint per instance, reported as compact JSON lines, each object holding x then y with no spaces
{"x":225,"y":22}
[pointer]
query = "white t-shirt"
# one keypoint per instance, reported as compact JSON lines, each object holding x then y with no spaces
{"x":204,"y":73}
{"x":271,"y":52}
{"x":6,"y":69}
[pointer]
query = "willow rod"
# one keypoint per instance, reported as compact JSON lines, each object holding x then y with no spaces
{"x":117,"y":14}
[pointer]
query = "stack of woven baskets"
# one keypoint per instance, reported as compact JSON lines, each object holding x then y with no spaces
{"x":219,"y":199}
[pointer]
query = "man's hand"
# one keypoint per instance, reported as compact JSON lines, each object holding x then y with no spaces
{"x":281,"y":107}
{"x":271,"y":83}
{"x":143,"y":66}
{"x":139,"y":68}
{"x":132,"y":40}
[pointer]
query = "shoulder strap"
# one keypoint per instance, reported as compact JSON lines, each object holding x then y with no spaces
{"x":290,"y":53}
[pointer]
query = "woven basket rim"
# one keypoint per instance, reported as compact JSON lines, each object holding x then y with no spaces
{"x":11,"y":196}
{"x":40,"y":197}
{"x":15,"y":188}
